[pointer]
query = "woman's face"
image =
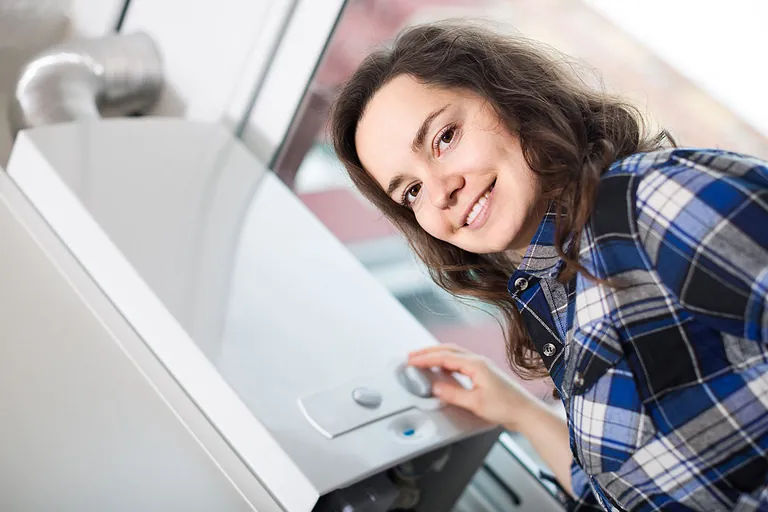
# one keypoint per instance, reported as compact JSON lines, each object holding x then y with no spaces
{"x":446,"y":155}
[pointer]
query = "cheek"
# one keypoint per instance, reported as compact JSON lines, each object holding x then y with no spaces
{"x":431,"y":222}
{"x":515,"y":200}
{"x":523,"y":183}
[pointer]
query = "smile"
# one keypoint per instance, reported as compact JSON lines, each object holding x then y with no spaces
{"x":479,"y":212}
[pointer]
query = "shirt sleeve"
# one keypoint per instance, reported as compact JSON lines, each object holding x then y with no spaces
{"x":583,"y":497}
{"x":754,"y":502}
{"x":702,"y":217}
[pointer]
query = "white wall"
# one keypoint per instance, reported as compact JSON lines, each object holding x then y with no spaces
{"x":94,"y":18}
{"x":214,"y":51}
{"x":720,"y":46}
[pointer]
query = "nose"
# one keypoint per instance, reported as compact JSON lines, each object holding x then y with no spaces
{"x":443,"y":188}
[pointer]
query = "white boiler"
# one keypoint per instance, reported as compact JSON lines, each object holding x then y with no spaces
{"x":180,"y":333}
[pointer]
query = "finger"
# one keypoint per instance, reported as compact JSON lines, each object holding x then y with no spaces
{"x":447,"y":360}
{"x":438,"y":348}
{"x":454,"y":394}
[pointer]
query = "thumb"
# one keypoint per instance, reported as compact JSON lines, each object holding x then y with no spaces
{"x":453,"y":393}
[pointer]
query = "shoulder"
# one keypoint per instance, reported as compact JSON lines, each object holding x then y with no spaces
{"x":687,"y":185}
{"x":678,"y":197}
{"x":701,"y":159}
{"x":684,"y":172}
{"x":683,"y":198}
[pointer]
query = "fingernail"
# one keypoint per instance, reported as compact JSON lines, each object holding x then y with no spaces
{"x":437,"y":389}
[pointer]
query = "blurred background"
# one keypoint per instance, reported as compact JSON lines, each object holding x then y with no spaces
{"x":697,"y":69}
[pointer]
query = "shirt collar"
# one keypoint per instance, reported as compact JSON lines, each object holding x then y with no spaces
{"x":541,"y":259}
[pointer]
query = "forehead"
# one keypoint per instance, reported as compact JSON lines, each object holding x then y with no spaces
{"x":401,"y":99}
{"x":392,"y":118}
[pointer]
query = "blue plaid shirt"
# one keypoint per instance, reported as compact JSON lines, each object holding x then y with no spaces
{"x":664,"y":376}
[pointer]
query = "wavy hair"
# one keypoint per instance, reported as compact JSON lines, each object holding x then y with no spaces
{"x":569,"y":134}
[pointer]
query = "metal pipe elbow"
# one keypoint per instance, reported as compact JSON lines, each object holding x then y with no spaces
{"x":116,"y":74}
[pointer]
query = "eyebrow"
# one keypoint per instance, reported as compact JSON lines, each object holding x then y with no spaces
{"x":416,"y":145}
{"x":418,"y":140}
{"x":395,"y":183}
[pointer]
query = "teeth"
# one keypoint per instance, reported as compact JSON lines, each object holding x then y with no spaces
{"x":478,"y":206}
{"x":476,"y":209}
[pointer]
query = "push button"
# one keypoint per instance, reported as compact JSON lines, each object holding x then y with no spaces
{"x":367,"y":397}
{"x":416,"y":380}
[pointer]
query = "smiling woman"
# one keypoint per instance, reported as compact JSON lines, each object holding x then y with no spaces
{"x":634,"y":275}
{"x":515,"y":119}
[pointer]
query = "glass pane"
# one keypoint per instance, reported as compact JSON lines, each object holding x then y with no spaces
{"x":627,"y":67}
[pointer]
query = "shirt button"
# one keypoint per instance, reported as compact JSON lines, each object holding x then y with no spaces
{"x":549,"y":350}
{"x":578,"y":379}
{"x":521,"y":284}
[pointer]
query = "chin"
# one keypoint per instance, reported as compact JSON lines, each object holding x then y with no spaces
{"x":492,"y":248}
{"x":502,"y":242}
{"x":492,"y":241}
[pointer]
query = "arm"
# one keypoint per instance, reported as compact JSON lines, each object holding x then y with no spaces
{"x":497,"y":398}
{"x":548,"y":434}
{"x":702,"y":218}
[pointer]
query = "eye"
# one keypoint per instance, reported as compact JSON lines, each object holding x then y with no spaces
{"x":444,"y":139}
{"x":410,"y":195}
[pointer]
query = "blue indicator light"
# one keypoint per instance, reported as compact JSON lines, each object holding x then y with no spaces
{"x":409,"y":432}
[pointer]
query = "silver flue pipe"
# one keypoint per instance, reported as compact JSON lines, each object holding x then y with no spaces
{"x":119,"y":74}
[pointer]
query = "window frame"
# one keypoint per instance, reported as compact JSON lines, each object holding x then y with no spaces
{"x":278,"y":98}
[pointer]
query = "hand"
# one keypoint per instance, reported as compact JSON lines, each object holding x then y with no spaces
{"x":494,"y":396}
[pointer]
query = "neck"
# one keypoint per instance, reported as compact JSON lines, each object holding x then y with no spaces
{"x":517,"y":252}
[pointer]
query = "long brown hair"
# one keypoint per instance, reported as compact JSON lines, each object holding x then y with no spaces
{"x":569,"y":134}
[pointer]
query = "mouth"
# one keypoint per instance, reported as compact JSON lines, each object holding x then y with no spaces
{"x":478,"y":212}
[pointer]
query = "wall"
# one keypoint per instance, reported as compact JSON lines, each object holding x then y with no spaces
{"x":214,"y":52}
{"x":717,"y":45}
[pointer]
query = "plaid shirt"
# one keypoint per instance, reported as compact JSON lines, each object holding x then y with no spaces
{"x":664,"y":377}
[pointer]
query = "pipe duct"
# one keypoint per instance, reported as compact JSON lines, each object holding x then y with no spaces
{"x":118,"y":74}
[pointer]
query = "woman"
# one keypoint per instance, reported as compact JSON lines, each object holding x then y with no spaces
{"x":635,"y":276}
